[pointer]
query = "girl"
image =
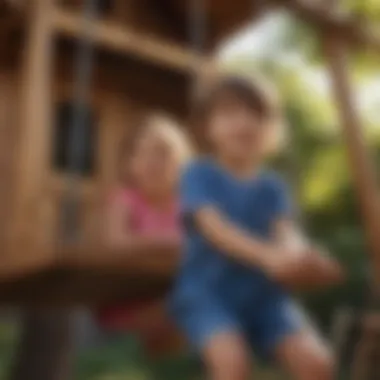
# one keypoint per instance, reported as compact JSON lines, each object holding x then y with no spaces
{"x":240,"y":246}
{"x":144,"y":212}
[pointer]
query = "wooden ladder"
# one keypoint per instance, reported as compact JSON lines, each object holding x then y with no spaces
{"x":357,"y":345}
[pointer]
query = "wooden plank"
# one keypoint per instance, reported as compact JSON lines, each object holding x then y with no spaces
{"x":127,"y":273}
{"x":228,"y":18}
{"x":60,"y":288}
{"x":156,"y":259}
{"x":115,"y":37}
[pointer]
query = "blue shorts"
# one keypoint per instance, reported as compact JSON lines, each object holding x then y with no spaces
{"x":264,"y":325}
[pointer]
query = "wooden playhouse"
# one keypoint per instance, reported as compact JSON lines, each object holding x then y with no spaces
{"x":142,"y":61}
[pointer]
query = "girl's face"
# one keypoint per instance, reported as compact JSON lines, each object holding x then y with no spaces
{"x":236,"y":131}
{"x":154,"y":165}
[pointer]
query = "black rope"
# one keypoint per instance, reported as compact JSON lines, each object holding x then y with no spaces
{"x":197,"y":35}
{"x":76,"y":150}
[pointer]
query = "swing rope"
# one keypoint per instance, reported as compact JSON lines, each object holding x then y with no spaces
{"x":197,"y":36}
{"x":83,"y":68}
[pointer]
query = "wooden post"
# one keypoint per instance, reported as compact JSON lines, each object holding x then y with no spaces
{"x":359,"y":158}
{"x":27,"y":235}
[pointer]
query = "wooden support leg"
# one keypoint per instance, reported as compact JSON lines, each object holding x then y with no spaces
{"x":44,"y":351}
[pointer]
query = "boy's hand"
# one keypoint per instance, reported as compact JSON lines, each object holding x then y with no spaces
{"x":297,"y":269}
{"x":281,"y":262}
{"x":323,"y":267}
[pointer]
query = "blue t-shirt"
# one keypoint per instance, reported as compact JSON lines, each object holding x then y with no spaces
{"x":252,"y":204}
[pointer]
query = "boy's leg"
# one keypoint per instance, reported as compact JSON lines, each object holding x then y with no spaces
{"x":214,"y":331}
{"x":305,"y":356}
{"x":281,"y":331}
{"x":227,"y":357}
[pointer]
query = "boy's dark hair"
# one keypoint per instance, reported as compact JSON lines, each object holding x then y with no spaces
{"x":246,"y":90}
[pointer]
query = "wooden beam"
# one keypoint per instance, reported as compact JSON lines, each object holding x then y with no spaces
{"x":360,"y":161}
{"x":125,"y":41}
{"x":348,"y":29}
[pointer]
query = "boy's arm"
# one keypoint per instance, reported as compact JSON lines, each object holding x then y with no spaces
{"x":312,"y":264}
{"x":231,"y":240}
{"x":316,"y":263}
{"x":284,"y":229}
{"x":286,"y":233}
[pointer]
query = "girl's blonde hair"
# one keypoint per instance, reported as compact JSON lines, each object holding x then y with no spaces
{"x":171,"y":133}
{"x":165,"y":128}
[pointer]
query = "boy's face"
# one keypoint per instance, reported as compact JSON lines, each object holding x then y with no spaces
{"x":236,"y":130}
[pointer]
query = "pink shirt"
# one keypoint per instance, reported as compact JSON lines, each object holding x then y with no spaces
{"x":144,"y":220}
{"x":147,"y":220}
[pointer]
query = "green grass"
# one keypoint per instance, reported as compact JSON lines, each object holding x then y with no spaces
{"x":121,"y":359}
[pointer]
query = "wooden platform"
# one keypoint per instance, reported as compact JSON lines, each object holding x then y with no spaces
{"x":75,"y":277}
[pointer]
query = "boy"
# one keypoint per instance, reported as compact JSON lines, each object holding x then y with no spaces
{"x":240,"y":244}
